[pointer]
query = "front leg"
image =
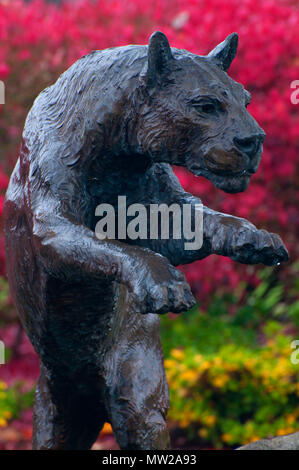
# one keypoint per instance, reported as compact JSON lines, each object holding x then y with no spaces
{"x":223,"y":234}
{"x":241,"y":240}
{"x":68,"y":250}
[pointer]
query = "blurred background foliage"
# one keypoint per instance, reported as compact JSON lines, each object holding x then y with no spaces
{"x":228,"y":366}
{"x":227,"y":361}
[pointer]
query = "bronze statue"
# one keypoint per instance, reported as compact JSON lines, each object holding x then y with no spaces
{"x":113,"y":124}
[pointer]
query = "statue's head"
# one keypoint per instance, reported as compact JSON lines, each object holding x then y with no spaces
{"x":194,"y":115}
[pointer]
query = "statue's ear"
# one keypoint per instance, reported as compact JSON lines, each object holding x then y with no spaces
{"x":225,"y":52}
{"x":159,"y":57}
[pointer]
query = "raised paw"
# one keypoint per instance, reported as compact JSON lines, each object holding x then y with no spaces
{"x":158,"y":287}
{"x":252,"y":246}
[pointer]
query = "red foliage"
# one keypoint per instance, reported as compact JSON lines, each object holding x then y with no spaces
{"x":39,"y":40}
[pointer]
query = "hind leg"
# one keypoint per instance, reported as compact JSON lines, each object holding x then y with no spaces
{"x":63,"y":418}
{"x":137,"y":398}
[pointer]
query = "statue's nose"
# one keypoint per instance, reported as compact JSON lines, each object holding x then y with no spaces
{"x":250,"y":145}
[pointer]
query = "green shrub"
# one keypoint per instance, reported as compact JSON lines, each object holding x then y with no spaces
{"x":12,"y":401}
{"x":230,"y":374}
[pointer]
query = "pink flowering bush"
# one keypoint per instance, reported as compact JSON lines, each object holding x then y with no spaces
{"x":40,"y":40}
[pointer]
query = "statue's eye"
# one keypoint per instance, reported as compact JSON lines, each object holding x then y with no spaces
{"x":206,"y":108}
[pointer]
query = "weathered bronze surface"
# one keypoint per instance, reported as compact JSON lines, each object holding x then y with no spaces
{"x":113,"y":124}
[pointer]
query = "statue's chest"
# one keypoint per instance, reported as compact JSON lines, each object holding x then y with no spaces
{"x":107,"y":185}
{"x":115,"y":188}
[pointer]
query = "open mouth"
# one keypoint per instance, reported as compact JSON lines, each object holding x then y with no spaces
{"x":229,"y":182}
{"x":244,"y":172}
{"x":225,"y":174}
